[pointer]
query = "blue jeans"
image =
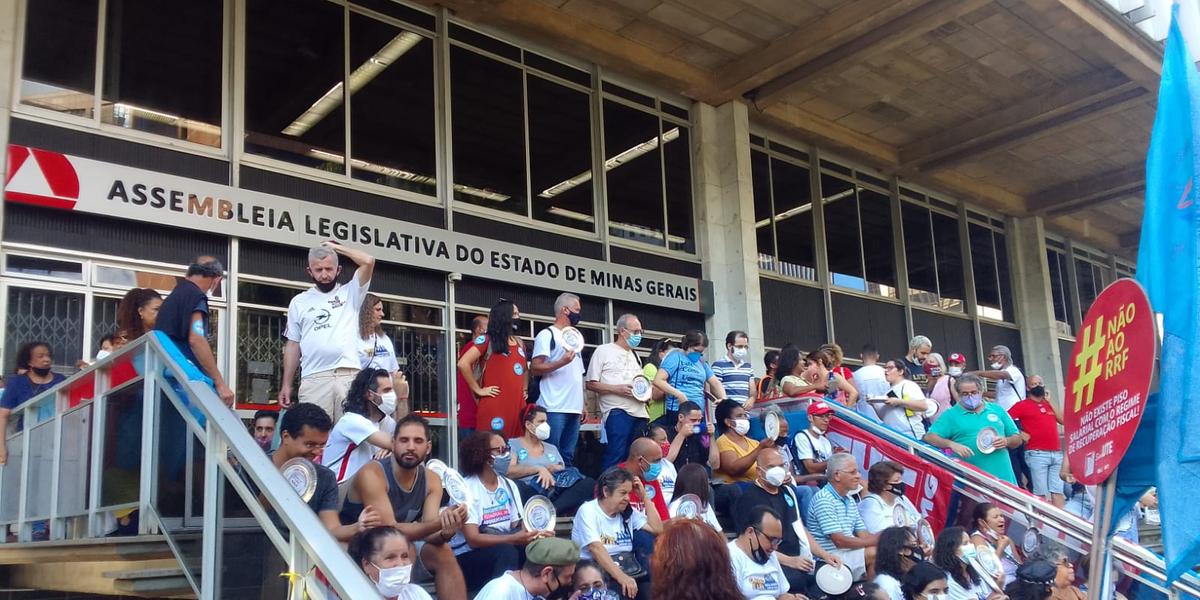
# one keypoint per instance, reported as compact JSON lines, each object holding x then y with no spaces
{"x":1044,"y":466}
{"x":620,"y":429}
{"x":564,"y":434}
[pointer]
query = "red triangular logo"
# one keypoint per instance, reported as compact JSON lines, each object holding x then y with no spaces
{"x":48,"y":180}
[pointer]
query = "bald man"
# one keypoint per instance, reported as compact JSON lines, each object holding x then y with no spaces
{"x":798,"y":548}
{"x":645,"y":462}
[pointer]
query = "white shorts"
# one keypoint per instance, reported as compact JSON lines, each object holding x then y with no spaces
{"x":854,"y":559}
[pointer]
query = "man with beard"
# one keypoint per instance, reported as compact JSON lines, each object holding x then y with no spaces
{"x":407,"y":496}
{"x":322,"y":329}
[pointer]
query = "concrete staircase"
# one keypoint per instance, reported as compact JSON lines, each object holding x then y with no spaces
{"x":139,"y":567}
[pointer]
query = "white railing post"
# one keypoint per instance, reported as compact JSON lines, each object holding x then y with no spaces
{"x":24,"y":532}
{"x":96,"y":466}
{"x":55,"y":528}
{"x":214,"y":449}
{"x":148,"y":475}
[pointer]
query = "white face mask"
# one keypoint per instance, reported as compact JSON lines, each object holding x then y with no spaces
{"x":857,"y":490}
{"x":392,"y":581}
{"x":954,"y":371}
{"x":935,"y":596}
{"x":103,"y":354}
{"x":968,"y":552}
{"x":775,"y":476}
{"x":741,"y":426}
{"x":387,"y":403}
{"x":741,"y":353}
{"x":542,"y":431}
{"x":997,"y":366}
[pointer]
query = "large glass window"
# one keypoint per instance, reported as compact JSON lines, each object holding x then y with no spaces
{"x":792,"y":191}
{"x":59,"y":64}
{"x":53,"y":317}
{"x":875,"y":210}
{"x":989,"y":265}
{"x":858,"y":236}
{"x":489,"y":132}
{"x":933,"y":257}
{"x":560,"y":153}
{"x":1060,"y":289}
{"x":633,"y":161}
{"x":764,"y":229}
{"x":677,"y":163}
{"x":1090,"y":280}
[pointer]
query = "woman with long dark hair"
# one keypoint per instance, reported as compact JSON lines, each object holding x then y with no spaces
{"x":791,"y":372}
{"x":990,"y":526}
{"x":897,"y":554}
{"x":136,"y":314}
{"x":691,"y":562}
{"x":950,"y":553}
{"x":925,"y":581}
{"x":501,"y":388}
{"x":693,"y":479}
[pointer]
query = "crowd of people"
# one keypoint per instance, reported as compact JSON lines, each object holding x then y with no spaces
{"x":761,"y":514}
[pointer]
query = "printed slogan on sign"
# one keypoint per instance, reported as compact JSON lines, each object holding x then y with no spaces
{"x":1108,"y":380}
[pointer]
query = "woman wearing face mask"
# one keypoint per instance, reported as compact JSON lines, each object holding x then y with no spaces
{"x":885,"y":482}
{"x":604,"y":529}
{"x":925,"y":581}
{"x":683,"y":376}
{"x":898,"y":553}
{"x":33,"y":377}
{"x":383,"y":555}
{"x":589,"y":582}
{"x":990,"y":525}
{"x":540,"y":466}
{"x":738,"y":452}
{"x":693,"y":479}
{"x":658,"y":352}
{"x":502,"y":387}
{"x":366,"y":427}
{"x":951,"y":552}
{"x":905,"y":404}
{"x":376,"y":350}
{"x":667,"y":474}
{"x":1039,"y":421}
{"x":941,"y":385}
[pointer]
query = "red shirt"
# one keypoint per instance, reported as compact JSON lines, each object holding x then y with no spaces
{"x":655,"y":493}
{"x":1037,"y":419}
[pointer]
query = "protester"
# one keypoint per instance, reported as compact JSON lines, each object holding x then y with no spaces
{"x":1052,"y":552}
{"x":834,"y":519}
{"x":835,"y":351}
{"x":667,"y":474}
{"x":136,"y":314}
{"x":366,"y":426}
{"x":1034,"y":581}
{"x":870,"y":379}
{"x":898,"y":553}
{"x":786,"y":446}
{"x":756,"y":568}
{"x":919,"y":348}
{"x":691,"y":563}
{"x":735,"y":372}
{"x":501,"y":385}
{"x":688,"y":439}
{"x":941,"y":389}
{"x":1010,"y":383}
{"x":541,"y":467}
{"x":813,"y":447}
{"x":645,"y":461}
{"x":407,"y":496}
{"x":990,"y":525}
{"x":905,"y":405}
{"x":263,"y":427}
{"x":376,"y":350}
{"x":768,"y":386}
{"x":384,"y":555}
{"x":792,"y":369}
{"x":183,"y":317}
{"x":657,"y":405}
{"x":589,"y":581}
{"x":610,"y":375}
{"x":820,"y":367}
{"x":925,"y":581}
{"x":604,"y":530}
{"x":683,"y":376}
{"x":693,"y":479}
{"x":738,"y":452}
{"x":322,"y":329}
{"x":548,"y":573}
{"x":886,"y":500}
{"x":468,"y":404}
{"x":560,"y":387}
{"x":951,"y":551}
{"x":797,"y":550}
{"x":33,"y":376}
{"x":959,"y":430}
{"x":1039,"y":420}
{"x":491,"y":539}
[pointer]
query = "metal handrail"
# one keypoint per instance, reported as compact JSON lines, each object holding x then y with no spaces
{"x":1136,"y":558}
{"x":228,"y":450}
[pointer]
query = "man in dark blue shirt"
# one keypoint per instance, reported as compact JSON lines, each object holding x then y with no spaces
{"x":183,"y":316}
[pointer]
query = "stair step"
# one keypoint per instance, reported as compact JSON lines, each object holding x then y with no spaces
{"x":163,"y":586}
{"x":132,"y":574}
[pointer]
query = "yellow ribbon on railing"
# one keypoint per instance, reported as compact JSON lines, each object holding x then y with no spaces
{"x":292,"y":577}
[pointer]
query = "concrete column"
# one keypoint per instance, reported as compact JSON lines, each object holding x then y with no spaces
{"x":8,"y":67}
{"x":1035,"y":302}
{"x":725,"y":224}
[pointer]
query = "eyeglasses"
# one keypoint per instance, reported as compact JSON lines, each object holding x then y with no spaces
{"x":775,"y":541}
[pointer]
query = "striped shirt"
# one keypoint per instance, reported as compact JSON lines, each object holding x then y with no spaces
{"x":830,"y":513}
{"x":735,"y":379}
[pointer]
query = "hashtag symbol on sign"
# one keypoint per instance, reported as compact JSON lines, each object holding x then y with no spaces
{"x":1088,"y":362}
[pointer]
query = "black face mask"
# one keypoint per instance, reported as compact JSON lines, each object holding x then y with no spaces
{"x":561,"y":593}
{"x":1039,"y":391}
{"x":758,"y":554}
{"x":325,"y":288}
{"x":516,"y":327}
{"x":916,"y":555}
{"x":40,"y":372}
{"x":898,"y":488}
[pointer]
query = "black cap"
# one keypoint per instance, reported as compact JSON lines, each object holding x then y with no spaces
{"x":1038,"y":572}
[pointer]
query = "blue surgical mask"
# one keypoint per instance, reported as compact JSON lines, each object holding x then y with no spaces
{"x":694,"y":356}
{"x":635,"y":340}
{"x":972,"y":402}
{"x":654,"y":470}
{"x":500,"y":463}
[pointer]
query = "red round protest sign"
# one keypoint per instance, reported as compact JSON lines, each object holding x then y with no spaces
{"x":1108,"y":380}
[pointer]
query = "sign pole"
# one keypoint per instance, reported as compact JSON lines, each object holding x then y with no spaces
{"x":1100,"y":567}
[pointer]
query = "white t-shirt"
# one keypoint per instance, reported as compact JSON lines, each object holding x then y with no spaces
{"x":613,"y":365}
{"x":352,"y":428}
{"x":1010,"y":391}
{"x":413,"y":591}
{"x":504,"y":587}
{"x":870,"y":381}
{"x":561,"y":389}
{"x":666,"y":479}
{"x":901,"y":419}
{"x":807,"y":442}
{"x":878,"y":515}
{"x":378,"y":352}
{"x":978,"y":591}
{"x":498,"y":509}
{"x":326,"y":326}
{"x":592,"y":525}
{"x":890,"y":586}
{"x":757,"y":582}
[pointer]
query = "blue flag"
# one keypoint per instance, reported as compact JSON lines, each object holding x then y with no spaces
{"x":1169,"y":269}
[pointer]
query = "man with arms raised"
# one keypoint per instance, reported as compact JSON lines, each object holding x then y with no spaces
{"x":407,"y":496}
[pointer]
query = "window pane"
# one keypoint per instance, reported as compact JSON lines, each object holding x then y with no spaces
{"x":43,"y":316}
{"x":168,"y":82}
{"x":1058,"y":275}
{"x":794,"y":220}
{"x":634,"y":178}
{"x":294,"y":72}
{"x":918,"y":253}
{"x":1087,"y":285}
{"x":983,"y":266}
{"x":760,"y":173}
{"x":677,"y":157}
{"x":952,"y":289}
{"x":842,"y":241}
{"x":59,"y":70}
{"x":489,"y":132}
{"x":391,"y":106}
{"x":560,"y":154}
{"x":44,"y":267}
{"x":878,"y":243}
{"x":1002,"y":272}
